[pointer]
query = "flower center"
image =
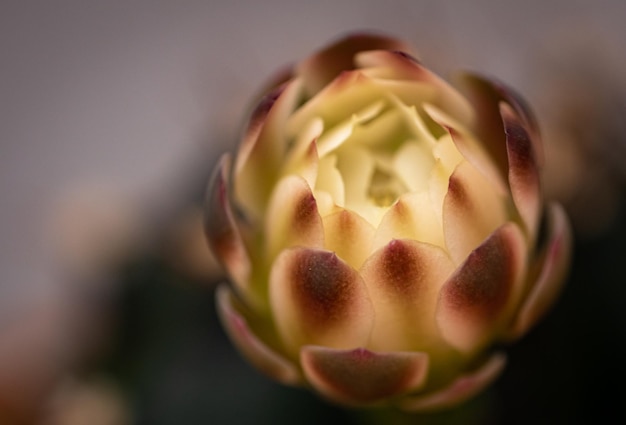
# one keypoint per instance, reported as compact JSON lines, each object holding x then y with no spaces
{"x":384,"y":188}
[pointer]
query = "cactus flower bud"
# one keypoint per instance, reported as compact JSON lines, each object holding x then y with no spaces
{"x":384,"y":232}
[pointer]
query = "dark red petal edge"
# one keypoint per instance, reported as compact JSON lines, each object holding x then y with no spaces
{"x":219,"y":225}
{"x":257,"y":352}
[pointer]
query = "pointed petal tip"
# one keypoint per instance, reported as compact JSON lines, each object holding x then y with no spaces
{"x":362,"y":377}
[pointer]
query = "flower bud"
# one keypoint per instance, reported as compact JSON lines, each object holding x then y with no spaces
{"x":383,"y":231}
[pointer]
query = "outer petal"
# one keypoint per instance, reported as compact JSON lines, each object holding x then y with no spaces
{"x":361,"y":376}
{"x":473,"y":303}
{"x":472,"y":210}
{"x":319,"y":70}
{"x":486,"y":94}
{"x":461,"y":389}
{"x":403,"y":280}
{"x":220,"y":228}
{"x":292,"y":218}
{"x":318,"y":299}
{"x":552,"y":277}
{"x":259,"y":354}
{"x":523,"y":169}
{"x":262,"y":151}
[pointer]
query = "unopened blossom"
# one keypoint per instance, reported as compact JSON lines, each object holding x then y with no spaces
{"x":383,"y":231}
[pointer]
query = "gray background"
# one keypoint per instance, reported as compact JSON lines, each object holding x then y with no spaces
{"x":138,"y":97}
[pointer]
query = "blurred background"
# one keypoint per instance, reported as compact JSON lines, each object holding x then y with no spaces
{"x":112,"y":114}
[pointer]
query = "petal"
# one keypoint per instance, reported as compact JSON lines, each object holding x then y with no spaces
{"x":257,"y":352}
{"x":411,"y":217}
{"x":350,"y":94}
{"x":552,"y":276}
{"x":303,"y":158}
{"x":398,"y":65}
{"x":475,"y":302}
{"x":262,"y":152}
{"x":220,"y":228}
{"x":487,"y":126}
{"x":469,"y":147}
{"x":361,"y":376}
{"x":523,"y":170}
{"x":292,"y":218}
{"x":403,"y":280}
{"x":463,"y":388}
{"x":349,"y":236}
{"x":486,"y":94}
{"x":320,"y":69}
{"x":472,"y":210}
{"x":318,"y":299}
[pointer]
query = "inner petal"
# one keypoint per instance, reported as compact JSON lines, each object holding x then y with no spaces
{"x":413,"y":165}
{"x":329,"y":180}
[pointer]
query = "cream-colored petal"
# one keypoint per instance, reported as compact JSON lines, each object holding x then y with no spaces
{"x":411,"y":217}
{"x":317,"y":298}
{"x":261,"y":156}
{"x":472,"y":210}
{"x":356,"y":166}
{"x":469,"y":147}
{"x":413,"y":164}
{"x":462,"y":389}
{"x":363,"y":377}
{"x":323,"y":67}
{"x":523,"y":170}
{"x":478,"y":299}
{"x":292,"y":217}
{"x":349,"y":236}
{"x":221,"y":230}
{"x":556,"y":259}
{"x":349,"y":93}
{"x":337,"y":135}
{"x":258,"y":353}
{"x":303,"y":157}
{"x":383,"y":133}
{"x":329,"y":180}
{"x":403,"y":280}
{"x":400,"y":66}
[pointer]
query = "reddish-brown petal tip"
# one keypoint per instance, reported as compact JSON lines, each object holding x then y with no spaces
{"x":259,"y":354}
{"x":473,"y":302}
{"x":318,"y":299}
{"x":359,"y":376}
{"x":403,"y":279}
{"x":292,"y":217}
{"x":220,"y":228}
{"x":523,"y":169}
{"x":462,"y":389}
